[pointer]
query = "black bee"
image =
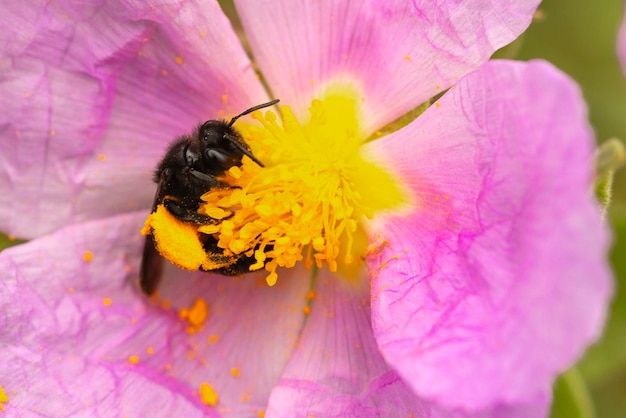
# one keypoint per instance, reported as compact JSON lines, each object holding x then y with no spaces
{"x":190,"y":169}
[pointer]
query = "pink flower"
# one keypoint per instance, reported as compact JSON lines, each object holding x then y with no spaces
{"x":489,"y":282}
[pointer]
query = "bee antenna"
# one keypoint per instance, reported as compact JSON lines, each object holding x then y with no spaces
{"x":252,"y":109}
{"x":241,"y":148}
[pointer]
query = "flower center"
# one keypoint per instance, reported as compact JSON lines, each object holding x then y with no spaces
{"x":310,"y":200}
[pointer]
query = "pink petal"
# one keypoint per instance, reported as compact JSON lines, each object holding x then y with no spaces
{"x":72,"y":325}
{"x":91,"y":96}
{"x":496,"y":279}
{"x":336,"y":369}
{"x":400,"y":53}
{"x":621,"y":44}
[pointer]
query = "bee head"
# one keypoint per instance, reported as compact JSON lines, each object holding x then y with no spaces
{"x":221,"y":146}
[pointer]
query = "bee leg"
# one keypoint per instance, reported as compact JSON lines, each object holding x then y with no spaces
{"x":186,"y":215}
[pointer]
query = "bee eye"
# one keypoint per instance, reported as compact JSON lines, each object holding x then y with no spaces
{"x":190,"y":156}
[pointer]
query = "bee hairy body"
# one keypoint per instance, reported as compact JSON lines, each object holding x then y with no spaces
{"x":190,"y":168}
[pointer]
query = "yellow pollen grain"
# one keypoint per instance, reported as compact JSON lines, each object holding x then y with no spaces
{"x":179,"y":60}
{"x":261,"y":414}
{"x":213,"y":338}
{"x":234,"y":372}
{"x":107,"y":301}
{"x":88,"y":256}
{"x":306,"y":310}
{"x":3,"y":398}
{"x":196,"y":315}
{"x":208,"y":394}
{"x":70,"y":290}
{"x":133,"y":359}
{"x":102,"y":157}
{"x":150,"y":350}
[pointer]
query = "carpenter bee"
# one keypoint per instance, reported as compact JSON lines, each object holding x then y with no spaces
{"x":190,"y":168}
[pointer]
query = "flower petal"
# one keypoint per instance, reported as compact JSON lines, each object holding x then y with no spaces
{"x":91,"y":96}
{"x":621,"y":43}
{"x":497,"y":279}
{"x":399,"y":53}
{"x":73,"y":318}
{"x":336,"y":369}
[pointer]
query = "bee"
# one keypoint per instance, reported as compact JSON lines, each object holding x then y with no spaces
{"x":190,"y":168}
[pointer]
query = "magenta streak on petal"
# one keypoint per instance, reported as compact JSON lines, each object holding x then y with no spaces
{"x":497,"y":279}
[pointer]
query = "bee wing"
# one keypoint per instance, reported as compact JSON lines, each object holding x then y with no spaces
{"x":151,"y":268}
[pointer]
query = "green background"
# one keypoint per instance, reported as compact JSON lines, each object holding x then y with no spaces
{"x":579,"y":37}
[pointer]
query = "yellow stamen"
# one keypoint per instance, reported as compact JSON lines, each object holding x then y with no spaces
{"x":311,"y":199}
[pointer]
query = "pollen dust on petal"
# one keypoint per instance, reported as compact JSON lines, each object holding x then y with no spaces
{"x":208,"y":394}
{"x":3,"y":398}
{"x":195,"y":316}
